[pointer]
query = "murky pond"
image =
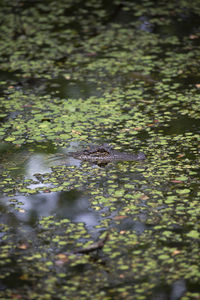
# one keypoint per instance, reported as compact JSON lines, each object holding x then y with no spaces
{"x":75,"y":75}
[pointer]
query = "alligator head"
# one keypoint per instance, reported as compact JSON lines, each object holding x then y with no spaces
{"x":104,"y":154}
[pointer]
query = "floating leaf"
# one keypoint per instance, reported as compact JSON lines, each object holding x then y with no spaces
{"x":183,"y":191}
{"x":194,"y":234}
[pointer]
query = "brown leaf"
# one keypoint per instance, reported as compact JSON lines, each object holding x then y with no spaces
{"x":144,"y":197}
{"x":175,"y":252}
{"x":122,"y":231}
{"x":138,"y":128}
{"x":24,"y":277}
{"x":193,"y":36}
{"x":23,"y":246}
{"x":76,"y":132}
{"x":176,"y":181}
{"x":62,"y":258}
{"x":16,"y":296}
{"x":119,"y":218}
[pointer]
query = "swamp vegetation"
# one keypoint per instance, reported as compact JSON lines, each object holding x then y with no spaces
{"x":79,"y":73}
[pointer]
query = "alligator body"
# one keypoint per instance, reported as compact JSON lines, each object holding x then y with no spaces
{"x":104,"y":154}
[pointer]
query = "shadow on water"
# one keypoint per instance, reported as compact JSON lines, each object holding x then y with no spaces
{"x":180,"y":125}
{"x":64,"y":88}
{"x":7,"y":76}
{"x":182,"y":25}
{"x":60,"y":87}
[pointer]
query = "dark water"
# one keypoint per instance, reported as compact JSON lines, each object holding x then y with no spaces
{"x":42,"y":180}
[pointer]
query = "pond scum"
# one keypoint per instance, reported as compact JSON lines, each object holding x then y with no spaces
{"x":76,"y":73}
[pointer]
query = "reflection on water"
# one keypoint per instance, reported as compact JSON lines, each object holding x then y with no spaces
{"x":175,"y":292}
{"x":178,"y":289}
{"x":72,"y":205}
{"x":36,"y":164}
{"x":40,"y":163}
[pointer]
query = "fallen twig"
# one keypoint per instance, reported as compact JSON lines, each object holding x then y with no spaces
{"x":96,"y":246}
